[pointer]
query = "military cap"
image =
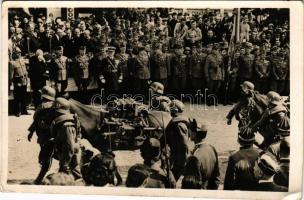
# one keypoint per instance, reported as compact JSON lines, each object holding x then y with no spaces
{"x":188,"y":48}
{"x":268,"y":164}
{"x":48,"y":92}
{"x":177,"y":105}
{"x":111,"y":48}
{"x":247,"y":85}
{"x":284,"y":127}
{"x":248,"y":45}
{"x":39,"y":20}
{"x":274,"y":97}
{"x":216,"y":46}
{"x":270,"y":25}
{"x":62,"y":105}
{"x":157,"y":87}
{"x":246,"y":137}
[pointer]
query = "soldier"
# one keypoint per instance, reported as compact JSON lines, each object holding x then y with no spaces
{"x":160,"y":64}
{"x":246,"y":153}
{"x":18,"y":77}
{"x":177,"y":137}
{"x":214,"y":72}
{"x":95,"y":66}
{"x":196,"y":69}
{"x":178,"y":71}
{"x":158,"y":101}
{"x":273,"y":116}
{"x":43,"y":118}
{"x":124,"y":59}
{"x":262,"y":71}
{"x":207,"y":157}
{"x":111,"y":72}
{"x":37,"y":75}
{"x":279,"y":73}
{"x":245,"y":64}
{"x":140,"y":69}
{"x":81,"y":69}
{"x":264,"y":170}
{"x":65,"y":129}
{"x":159,"y":177}
{"x":58,"y":71}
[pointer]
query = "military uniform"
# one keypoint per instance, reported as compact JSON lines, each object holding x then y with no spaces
{"x":214,"y":72}
{"x":209,"y":165}
{"x":159,"y":67}
{"x":82,"y":72}
{"x":124,"y":67}
{"x":261,"y":76}
{"x":59,"y":73}
{"x":196,"y":71}
{"x":245,"y":66}
{"x":112,"y":74}
{"x":177,"y":138}
{"x":279,"y":74}
{"x":19,"y":78}
{"x":65,"y":128}
{"x":178,"y":73}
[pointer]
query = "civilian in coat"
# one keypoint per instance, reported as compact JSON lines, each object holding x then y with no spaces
{"x":37,"y":70}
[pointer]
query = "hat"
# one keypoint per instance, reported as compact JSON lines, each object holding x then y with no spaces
{"x":178,"y":105}
{"x":59,"y":48}
{"x":157,"y":87}
{"x":248,"y":45}
{"x":274,"y":97}
{"x":247,"y":85}
{"x":111,"y":48}
{"x":62,"y":105}
{"x":246,"y":137}
{"x":268,"y":164}
{"x":188,"y":48}
{"x":216,"y":46}
{"x":284,"y":127}
{"x":150,"y":149}
{"x":48,"y":92}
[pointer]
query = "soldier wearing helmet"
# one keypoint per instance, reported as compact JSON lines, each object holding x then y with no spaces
{"x":65,"y":130}
{"x":273,"y":116}
{"x":177,"y":133}
{"x":245,"y":102}
{"x":158,"y":100}
{"x":43,"y":117}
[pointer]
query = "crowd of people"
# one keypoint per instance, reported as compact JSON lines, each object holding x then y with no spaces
{"x":123,"y":50}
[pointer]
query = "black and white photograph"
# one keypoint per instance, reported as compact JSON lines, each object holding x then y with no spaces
{"x":156,"y":97}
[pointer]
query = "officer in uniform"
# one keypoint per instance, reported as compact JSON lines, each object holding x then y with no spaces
{"x":262,"y":71}
{"x":81,"y":69}
{"x":246,"y":154}
{"x":111,"y":72}
{"x":160,"y":64}
{"x":65,"y":129}
{"x":214,"y":72}
{"x":43,"y":118}
{"x":245,"y":64}
{"x":124,"y":58}
{"x":18,"y":77}
{"x":196,"y":69}
{"x":279,"y":73}
{"x":58,"y":71}
{"x":207,"y":157}
{"x":158,"y":178}
{"x":177,"y":137}
{"x":178,"y":70}
{"x":158,"y":100}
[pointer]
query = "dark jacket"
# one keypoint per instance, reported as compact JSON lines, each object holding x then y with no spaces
{"x":36,"y":72}
{"x":249,"y":154}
